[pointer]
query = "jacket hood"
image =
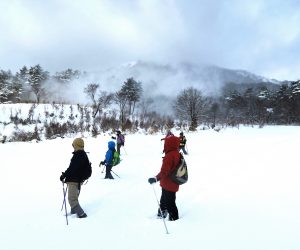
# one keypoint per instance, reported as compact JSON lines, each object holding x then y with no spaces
{"x":111,"y":145}
{"x":171,"y":143}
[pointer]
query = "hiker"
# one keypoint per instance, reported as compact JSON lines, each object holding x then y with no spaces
{"x":168,"y":134}
{"x":182,"y":143}
{"x":120,"y":141}
{"x":108,"y":162}
{"x":169,"y":188}
{"x":73,"y":176}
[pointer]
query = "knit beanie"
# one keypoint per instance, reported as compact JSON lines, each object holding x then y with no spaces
{"x":78,"y":144}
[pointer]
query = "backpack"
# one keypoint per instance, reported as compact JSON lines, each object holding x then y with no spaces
{"x":116,"y":158}
{"x":180,"y":174}
{"x":86,"y":172}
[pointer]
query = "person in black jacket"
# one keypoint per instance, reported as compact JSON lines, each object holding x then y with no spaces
{"x":73,"y":176}
{"x":182,"y":143}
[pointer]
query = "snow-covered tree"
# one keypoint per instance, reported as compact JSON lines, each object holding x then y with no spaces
{"x":36,"y":79}
{"x":295,"y":100}
{"x":67,"y":76}
{"x":5,"y":85}
{"x":133,"y":91}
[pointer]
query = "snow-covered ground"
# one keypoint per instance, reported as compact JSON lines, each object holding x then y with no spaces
{"x":243,"y":193}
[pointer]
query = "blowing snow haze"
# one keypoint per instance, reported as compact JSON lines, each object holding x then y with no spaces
{"x":160,"y":82}
{"x":170,"y":79}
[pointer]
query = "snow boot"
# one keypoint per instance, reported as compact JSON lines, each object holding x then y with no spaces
{"x":82,"y":215}
{"x":108,"y":173}
{"x":163,"y":215}
{"x":173,"y":217}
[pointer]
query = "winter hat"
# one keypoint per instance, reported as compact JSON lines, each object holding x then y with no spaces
{"x":78,"y":144}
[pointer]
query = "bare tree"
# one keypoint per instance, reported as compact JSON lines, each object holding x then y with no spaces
{"x":189,"y":105}
{"x":121,"y":100}
{"x":91,"y":90}
{"x":103,"y":101}
{"x":214,"y":110}
{"x":145,"y":105}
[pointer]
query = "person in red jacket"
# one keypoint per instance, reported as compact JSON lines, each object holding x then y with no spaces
{"x":169,"y":188}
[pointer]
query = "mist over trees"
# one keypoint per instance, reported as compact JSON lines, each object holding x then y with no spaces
{"x":129,"y":107}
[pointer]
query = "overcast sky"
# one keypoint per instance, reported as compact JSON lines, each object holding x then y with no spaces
{"x":261,"y":36}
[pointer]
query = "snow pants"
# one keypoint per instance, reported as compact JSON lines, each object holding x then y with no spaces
{"x":73,"y":194}
{"x":183,"y":150}
{"x":119,"y":148}
{"x":108,"y":172}
{"x":168,"y":203}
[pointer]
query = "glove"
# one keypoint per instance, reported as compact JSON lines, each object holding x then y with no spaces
{"x":152,"y":180}
{"x":113,"y":137}
{"x":62,"y":177}
{"x":101,"y":163}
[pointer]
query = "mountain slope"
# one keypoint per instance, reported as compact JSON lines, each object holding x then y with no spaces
{"x":170,"y":78}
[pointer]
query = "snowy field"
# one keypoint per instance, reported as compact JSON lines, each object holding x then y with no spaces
{"x":243,"y":193}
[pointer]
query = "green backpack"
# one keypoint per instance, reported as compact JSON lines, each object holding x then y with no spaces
{"x":116,"y":158}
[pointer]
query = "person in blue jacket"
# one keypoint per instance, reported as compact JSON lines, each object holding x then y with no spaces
{"x":108,"y":162}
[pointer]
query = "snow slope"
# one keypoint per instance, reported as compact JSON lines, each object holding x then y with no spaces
{"x":243,"y":193}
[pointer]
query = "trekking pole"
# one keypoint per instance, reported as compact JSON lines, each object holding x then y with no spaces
{"x":65,"y":202}
{"x":103,"y":168}
{"x":115,"y":173}
{"x":124,"y":150}
{"x":167,"y":232}
{"x":65,"y":192}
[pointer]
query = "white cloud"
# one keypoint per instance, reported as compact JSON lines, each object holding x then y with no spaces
{"x":87,"y":35}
